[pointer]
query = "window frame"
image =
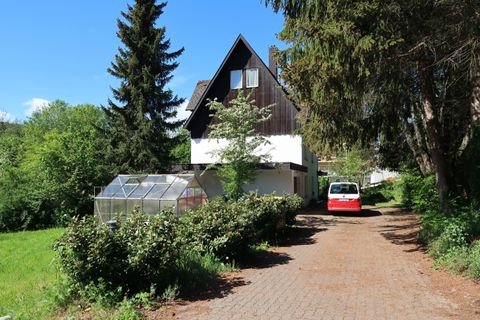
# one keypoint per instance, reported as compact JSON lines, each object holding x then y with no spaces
{"x":257,"y":76}
{"x":239,"y":84}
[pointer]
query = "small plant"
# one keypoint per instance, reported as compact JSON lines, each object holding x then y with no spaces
{"x":127,"y":311}
{"x":171,"y":292}
{"x":145,"y":299}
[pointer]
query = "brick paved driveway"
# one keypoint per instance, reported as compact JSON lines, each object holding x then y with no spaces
{"x":344,"y":267}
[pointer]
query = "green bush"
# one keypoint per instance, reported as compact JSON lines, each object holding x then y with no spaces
{"x":453,"y":237}
{"x":216,"y":227}
{"x":140,"y":254}
{"x":292,"y":203}
{"x":474,"y":260}
{"x":432,"y":225}
{"x":228,"y":229}
{"x":419,"y":193}
{"x":323,"y":184}
{"x":104,"y":265}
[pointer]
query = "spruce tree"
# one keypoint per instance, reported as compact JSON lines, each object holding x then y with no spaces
{"x":142,"y":116}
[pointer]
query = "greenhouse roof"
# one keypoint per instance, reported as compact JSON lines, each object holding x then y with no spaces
{"x":150,"y":186}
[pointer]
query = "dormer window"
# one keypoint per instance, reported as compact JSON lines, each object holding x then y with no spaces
{"x":252,"y":77}
{"x":236,"y":79}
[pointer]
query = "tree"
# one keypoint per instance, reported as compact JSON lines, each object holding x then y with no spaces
{"x":365,"y":70}
{"x":182,"y":151}
{"x":354,"y":165}
{"x":141,"y":124}
{"x":238,"y":159}
{"x":51,"y":169}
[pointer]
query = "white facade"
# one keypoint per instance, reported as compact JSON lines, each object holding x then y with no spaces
{"x":285,"y":148}
{"x":380,"y":175}
{"x":282,"y":149}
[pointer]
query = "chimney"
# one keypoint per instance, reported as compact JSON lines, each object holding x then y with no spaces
{"x":272,"y":64}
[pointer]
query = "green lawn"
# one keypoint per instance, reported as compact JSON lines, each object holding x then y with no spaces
{"x":26,"y":268}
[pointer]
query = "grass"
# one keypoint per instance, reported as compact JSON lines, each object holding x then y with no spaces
{"x":26,"y":269}
{"x":389,"y":204}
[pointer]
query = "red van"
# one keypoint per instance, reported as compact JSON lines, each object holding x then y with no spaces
{"x":344,"y":196}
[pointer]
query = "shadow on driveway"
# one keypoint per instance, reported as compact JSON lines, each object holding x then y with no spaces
{"x":402,"y":229}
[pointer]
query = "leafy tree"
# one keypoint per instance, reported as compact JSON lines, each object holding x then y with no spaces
{"x":51,"y":170}
{"x":181,"y":152}
{"x":238,"y":159}
{"x":399,"y":69}
{"x":354,"y":165}
{"x":142,"y":122}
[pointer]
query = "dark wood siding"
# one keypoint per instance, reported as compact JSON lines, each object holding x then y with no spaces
{"x":268,"y":92}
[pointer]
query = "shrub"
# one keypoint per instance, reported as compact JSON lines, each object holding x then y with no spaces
{"x":323,"y":184}
{"x":292,"y":203}
{"x":474,"y":260}
{"x":227,"y":229}
{"x":151,"y":248}
{"x":419,"y":193}
{"x":453,"y":237}
{"x":216,"y":227}
{"x":141,"y":253}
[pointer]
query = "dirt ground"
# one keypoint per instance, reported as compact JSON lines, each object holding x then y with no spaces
{"x":338,"y":267}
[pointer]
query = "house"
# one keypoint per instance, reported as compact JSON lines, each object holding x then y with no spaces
{"x":292,"y":167}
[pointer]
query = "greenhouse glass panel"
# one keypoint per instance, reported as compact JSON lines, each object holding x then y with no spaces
{"x":133,"y":204}
{"x":119,"y":206}
{"x":151,"y":206}
{"x":141,"y":191}
{"x":102,"y":210}
{"x":167,"y":204}
{"x":149,"y":193}
{"x":125,"y":190}
{"x":156,"y":179}
{"x":157,"y":191}
{"x":175,"y":190}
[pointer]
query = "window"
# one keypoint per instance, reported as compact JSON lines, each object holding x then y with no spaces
{"x":252,"y":77}
{"x":236,"y":79}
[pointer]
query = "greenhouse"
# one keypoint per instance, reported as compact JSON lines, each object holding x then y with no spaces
{"x":149,"y":194}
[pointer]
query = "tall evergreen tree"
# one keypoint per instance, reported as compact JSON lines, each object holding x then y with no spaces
{"x":402,"y":70}
{"x":142,"y":116}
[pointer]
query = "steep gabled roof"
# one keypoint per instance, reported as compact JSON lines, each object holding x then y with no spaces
{"x":197,"y":94}
{"x":198,"y":101}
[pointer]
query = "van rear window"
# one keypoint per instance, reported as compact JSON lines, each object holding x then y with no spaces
{"x":343,"y":188}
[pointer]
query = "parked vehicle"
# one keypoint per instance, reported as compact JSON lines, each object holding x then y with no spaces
{"x":344,"y":196}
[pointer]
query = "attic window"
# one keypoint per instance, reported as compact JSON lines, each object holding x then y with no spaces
{"x":252,"y":77}
{"x":236,"y":79}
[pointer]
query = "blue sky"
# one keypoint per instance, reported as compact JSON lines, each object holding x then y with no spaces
{"x":58,"y":49}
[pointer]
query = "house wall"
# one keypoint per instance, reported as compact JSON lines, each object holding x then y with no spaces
{"x":266,"y":182}
{"x":284,"y":148}
{"x":283,"y":119}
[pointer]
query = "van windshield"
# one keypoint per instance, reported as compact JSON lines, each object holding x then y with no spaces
{"x":345,"y":188}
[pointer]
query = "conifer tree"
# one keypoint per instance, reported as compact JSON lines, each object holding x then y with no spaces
{"x":142,"y":116}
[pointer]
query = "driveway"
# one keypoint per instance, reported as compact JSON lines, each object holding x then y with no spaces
{"x":339,"y":267}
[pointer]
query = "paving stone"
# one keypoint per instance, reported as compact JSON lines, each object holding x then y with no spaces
{"x":348,"y":271}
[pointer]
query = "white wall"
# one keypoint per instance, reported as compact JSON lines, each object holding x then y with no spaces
{"x":380,"y":175}
{"x":284,"y":148}
{"x":266,"y":182}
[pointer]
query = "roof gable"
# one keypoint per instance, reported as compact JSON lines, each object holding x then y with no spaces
{"x":219,"y":87}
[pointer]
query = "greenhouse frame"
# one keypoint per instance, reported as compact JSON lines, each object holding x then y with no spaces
{"x":149,"y":194}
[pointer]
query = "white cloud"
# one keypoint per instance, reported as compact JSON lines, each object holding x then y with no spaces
{"x":6,"y":117}
{"x":182,"y":113}
{"x":35,"y":105}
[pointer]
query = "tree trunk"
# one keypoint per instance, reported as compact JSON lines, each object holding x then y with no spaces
{"x":475,"y":99}
{"x":432,"y":126}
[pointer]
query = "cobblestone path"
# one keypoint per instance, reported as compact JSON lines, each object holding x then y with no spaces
{"x":341,"y":267}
